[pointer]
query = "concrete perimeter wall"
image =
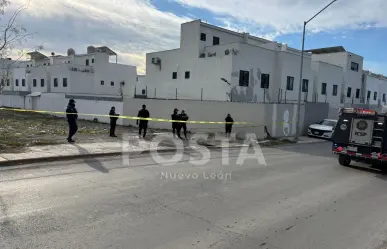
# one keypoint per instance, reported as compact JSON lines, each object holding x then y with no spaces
{"x":280,"y":119}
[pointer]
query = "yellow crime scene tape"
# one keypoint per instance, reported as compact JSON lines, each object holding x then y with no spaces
{"x":136,"y":118}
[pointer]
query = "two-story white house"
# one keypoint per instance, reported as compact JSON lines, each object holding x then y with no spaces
{"x":214,"y":63}
{"x":375,"y":88}
{"x":91,"y":73}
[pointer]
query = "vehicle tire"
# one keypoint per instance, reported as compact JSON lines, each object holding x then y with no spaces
{"x":344,"y":160}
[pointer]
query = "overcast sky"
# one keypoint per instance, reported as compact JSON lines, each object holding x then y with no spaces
{"x":135,"y":27}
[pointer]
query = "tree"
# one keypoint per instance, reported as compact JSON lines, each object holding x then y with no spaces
{"x":12,"y":34}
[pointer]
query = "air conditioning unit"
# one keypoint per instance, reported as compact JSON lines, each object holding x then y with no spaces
{"x":202,"y":55}
{"x":211,"y":54}
{"x":227,"y":52}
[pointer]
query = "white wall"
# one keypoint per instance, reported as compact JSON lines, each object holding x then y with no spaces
{"x":140,"y":84}
{"x":81,"y":82}
{"x":375,"y":84}
{"x":330,"y":74}
{"x":38,"y":73}
{"x":60,"y":71}
{"x":19,"y":74}
{"x":12,"y":101}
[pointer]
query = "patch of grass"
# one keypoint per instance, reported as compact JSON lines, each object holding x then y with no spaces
{"x":277,"y":142}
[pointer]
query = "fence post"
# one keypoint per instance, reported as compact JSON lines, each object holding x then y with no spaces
{"x":201,"y":95}
{"x":264,"y":95}
{"x":285,"y":95}
{"x":146,"y":91}
{"x":176,"y":93}
{"x":135,"y":91}
{"x":279,"y":92}
{"x":155,"y":92}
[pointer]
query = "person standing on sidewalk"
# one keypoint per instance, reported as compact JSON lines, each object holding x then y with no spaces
{"x":229,"y":124}
{"x":184,"y":117}
{"x":72,"y":116}
{"x":113,"y":121}
{"x":175,"y":125}
{"x":143,"y":126}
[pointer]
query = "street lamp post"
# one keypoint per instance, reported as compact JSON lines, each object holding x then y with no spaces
{"x":301,"y":69}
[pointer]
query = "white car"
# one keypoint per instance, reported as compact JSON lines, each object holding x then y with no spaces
{"x":322,"y":129}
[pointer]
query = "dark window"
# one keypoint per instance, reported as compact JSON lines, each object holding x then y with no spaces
{"x":203,"y":37}
{"x":244,"y":78}
{"x":28,"y":65}
{"x":368,"y":95}
{"x":92,"y":60}
{"x":64,"y":82}
{"x":290,"y":83}
{"x":8,"y":82}
{"x":143,"y":91}
{"x":357,"y":93}
{"x":354,"y":66}
{"x":55,"y":82}
{"x":384,"y":97}
{"x":375,"y":95}
{"x":2,"y":82}
{"x":16,"y":82}
{"x":87,"y":62}
{"x":215,"y":41}
{"x":187,"y":74}
{"x":305,"y":85}
{"x":137,"y":79}
{"x":34,"y":83}
{"x":102,"y":82}
{"x":23,"y":82}
{"x":349,"y":92}
{"x":174,"y":75}
{"x":324,"y":88}
{"x":265,"y":81}
{"x":44,"y":64}
{"x":42,"y":82}
{"x":334,"y":92}
{"x":112,"y":83}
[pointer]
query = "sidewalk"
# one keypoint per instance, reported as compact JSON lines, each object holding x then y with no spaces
{"x":119,"y":147}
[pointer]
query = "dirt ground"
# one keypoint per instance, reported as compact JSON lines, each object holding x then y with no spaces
{"x":23,"y":129}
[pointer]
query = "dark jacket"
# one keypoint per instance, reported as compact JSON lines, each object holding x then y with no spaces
{"x":184,"y":117}
{"x":113,"y":116}
{"x":71,"y":109}
{"x":175,"y":116}
{"x":229,"y":119}
{"x":143,"y":114}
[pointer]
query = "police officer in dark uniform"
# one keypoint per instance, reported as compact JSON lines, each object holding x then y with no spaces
{"x":184,"y":117}
{"x":143,"y":113}
{"x":175,"y":125}
{"x":113,"y":121}
{"x":72,"y":116}
{"x":229,"y":122}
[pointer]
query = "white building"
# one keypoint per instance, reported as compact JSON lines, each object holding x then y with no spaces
{"x":213,"y":63}
{"x":375,"y":86}
{"x":91,"y":73}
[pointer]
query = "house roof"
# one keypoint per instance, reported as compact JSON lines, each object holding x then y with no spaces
{"x":106,"y":50}
{"x":326,"y":50}
{"x":37,"y":55}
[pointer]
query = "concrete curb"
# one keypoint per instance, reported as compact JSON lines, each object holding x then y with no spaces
{"x":9,"y":163}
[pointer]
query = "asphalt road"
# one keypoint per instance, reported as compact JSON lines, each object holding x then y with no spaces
{"x":300,"y":199}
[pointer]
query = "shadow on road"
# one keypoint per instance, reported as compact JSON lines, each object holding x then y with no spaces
{"x":7,"y":229}
{"x":323,"y":149}
{"x":92,"y":162}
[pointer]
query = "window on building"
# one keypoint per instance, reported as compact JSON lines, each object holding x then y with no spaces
{"x":384,"y":97}
{"x":8,"y":82}
{"x":112,"y":83}
{"x":357,"y":93}
{"x":203,"y":37}
{"x":23,"y":82}
{"x":28,"y":65}
{"x":48,"y":63}
{"x":324,"y":88}
{"x":16,"y":82}
{"x":334,"y":91}
{"x":143,"y":91}
{"x":187,"y":74}
{"x":349,"y":92}
{"x":64,"y":82}
{"x":102,"y":82}
{"x":354,"y":66}
{"x":244,"y":77}
{"x":289,"y":83}
{"x":368,"y":95}
{"x":215,"y":41}
{"x":34,"y":84}
{"x":265,"y":81}
{"x":92,"y":60}
{"x":42,"y":82}
{"x":375,"y":95}
{"x":174,"y":75}
{"x":55,"y":82}
{"x":2,"y":82}
{"x":305,"y":85}
{"x":137,"y":79}
{"x":87,"y":62}
{"x":44,"y":64}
